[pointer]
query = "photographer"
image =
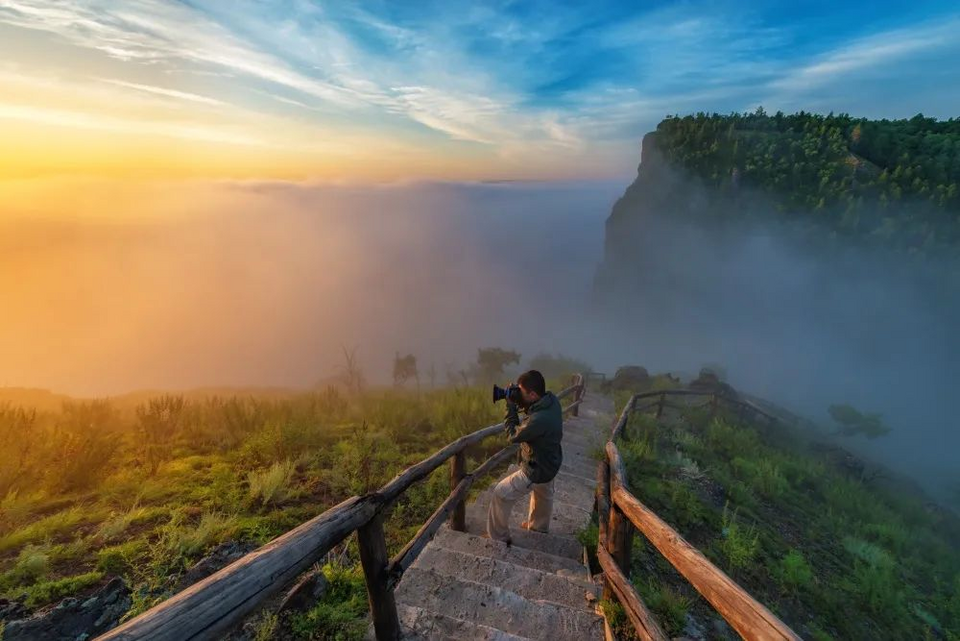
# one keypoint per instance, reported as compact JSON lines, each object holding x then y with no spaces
{"x":539,"y":436}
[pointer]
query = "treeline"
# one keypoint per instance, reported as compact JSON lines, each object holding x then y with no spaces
{"x":895,"y":182}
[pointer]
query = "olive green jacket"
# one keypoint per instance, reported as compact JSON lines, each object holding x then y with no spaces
{"x":539,"y":436}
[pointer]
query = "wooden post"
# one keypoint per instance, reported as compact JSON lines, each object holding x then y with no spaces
{"x":373,"y":557}
{"x":620,"y":544}
{"x":576,"y":397}
{"x":458,"y":466}
{"x":660,"y":405}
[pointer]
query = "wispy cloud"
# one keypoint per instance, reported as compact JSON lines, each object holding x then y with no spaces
{"x":88,"y":120}
{"x":519,"y":81}
{"x":161,"y":91}
{"x":870,"y":52}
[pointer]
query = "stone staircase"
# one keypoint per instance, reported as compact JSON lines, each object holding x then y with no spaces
{"x":464,"y":586}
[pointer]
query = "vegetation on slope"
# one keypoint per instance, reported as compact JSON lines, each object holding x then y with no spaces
{"x":835,"y":556}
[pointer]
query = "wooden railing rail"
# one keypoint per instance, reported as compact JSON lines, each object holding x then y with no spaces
{"x":214,"y":605}
{"x":619,"y":512}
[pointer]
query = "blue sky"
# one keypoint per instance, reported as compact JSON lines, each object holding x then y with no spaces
{"x":465,"y":90}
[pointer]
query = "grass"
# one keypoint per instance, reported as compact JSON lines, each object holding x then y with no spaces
{"x":738,"y":544}
{"x":272,"y":485}
{"x":833,"y":555}
{"x":176,"y":479}
{"x":46,"y":592}
{"x":667,"y":603}
{"x":340,"y":613}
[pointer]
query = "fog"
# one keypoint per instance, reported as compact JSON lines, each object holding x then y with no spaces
{"x":263,"y":284}
{"x":792,"y":318}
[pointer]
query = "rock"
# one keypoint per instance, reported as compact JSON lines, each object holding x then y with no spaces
{"x":305,"y":593}
{"x":10,"y":610}
{"x":709,"y":382}
{"x":628,"y":377}
{"x":73,"y":619}
{"x":222,"y":556}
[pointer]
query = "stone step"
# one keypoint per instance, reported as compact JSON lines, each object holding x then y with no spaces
{"x":566,"y":519}
{"x":420,"y":624}
{"x":534,"y":559}
{"x":549,"y":543}
{"x":588,"y":482}
{"x":585,"y":467}
{"x":527,"y":582}
{"x":496,"y":607}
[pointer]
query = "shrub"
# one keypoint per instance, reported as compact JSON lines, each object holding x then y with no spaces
{"x":762,"y":474}
{"x":117,"y":559}
{"x":47,"y":527}
{"x":730,"y":441}
{"x":83,"y":443}
{"x":50,"y":591}
{"x":32,"y":564}
{"x":20,"y":435}
{"x":794,"y":571}
{"x":159,"y":421}
{"x":739,"y":545}
{"x":667,"y":603}
{"x":685,"y":505}
{"x":272,"y":485}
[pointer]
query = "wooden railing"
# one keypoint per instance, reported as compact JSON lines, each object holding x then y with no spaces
{"x":619,"y":512}
{"x":209,"y":608}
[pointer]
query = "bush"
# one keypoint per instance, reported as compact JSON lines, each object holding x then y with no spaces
{"x":47,"y":527}
{"x":667,"y":603}
{"x":686,"y":506}
{"x":117,"y":559}
{"x":794,"y":571}
{"x":83,"y":443}
{"x":739,"y":545}
{"x":158,"y":423}
{"x":50,"y":591}
{"x":32,"y":564}
{"x":272,"y":485}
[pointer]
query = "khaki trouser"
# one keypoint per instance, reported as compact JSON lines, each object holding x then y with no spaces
{"x":507,"y":492}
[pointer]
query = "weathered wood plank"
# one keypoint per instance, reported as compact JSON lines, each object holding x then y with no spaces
{"x":214,"y":604}
{"x":644,"y":624}
{"x":751,"y":619}
{"x":421,"y":470}
{"x":457,"y":473}
{"x":403,"y":559}
{"x":373,"y":558}
{"x":621,"y":421}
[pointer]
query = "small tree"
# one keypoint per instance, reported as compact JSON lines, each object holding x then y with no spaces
{"x":492,"y":360}
{"x":851,"y":422}
{"x":352,"y":374}
{"x":159,"y":422}
{"x":405,"y":368}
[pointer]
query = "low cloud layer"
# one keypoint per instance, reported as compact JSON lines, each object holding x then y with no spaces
{"x":261,"y":284}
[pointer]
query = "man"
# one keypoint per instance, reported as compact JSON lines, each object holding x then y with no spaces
{"x":539,"y":436}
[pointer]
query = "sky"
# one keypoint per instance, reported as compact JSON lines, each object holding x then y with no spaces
{"x":386,"y":91}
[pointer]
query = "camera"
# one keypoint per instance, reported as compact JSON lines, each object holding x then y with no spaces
{"x":511,"y":393}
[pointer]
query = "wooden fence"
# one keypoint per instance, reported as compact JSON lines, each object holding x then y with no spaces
{"x":619,"y":512}
{"x":216,"y":604}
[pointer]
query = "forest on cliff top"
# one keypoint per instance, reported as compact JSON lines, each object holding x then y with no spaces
{"x":888,"y":182}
